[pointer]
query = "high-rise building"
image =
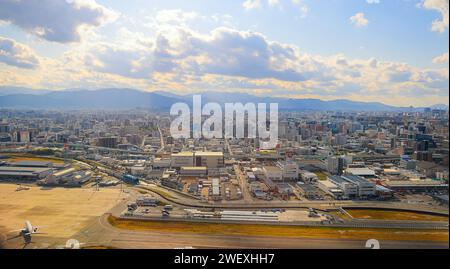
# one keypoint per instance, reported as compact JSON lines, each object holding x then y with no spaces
{"x":335,"y":165}
{"x":108,"y":142}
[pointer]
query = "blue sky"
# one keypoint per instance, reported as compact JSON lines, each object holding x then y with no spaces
{"x":394,"y":51}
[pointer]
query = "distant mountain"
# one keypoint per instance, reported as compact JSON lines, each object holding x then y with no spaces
{"x":162,"y":101}
{"x":8,"y":90}
{"x":84,"y":99}
{"x":294,"y":104}
{"x":439,"y":106}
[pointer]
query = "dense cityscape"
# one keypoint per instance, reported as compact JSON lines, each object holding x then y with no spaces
{"x":225,"y":132}
{"x":332,"y":161}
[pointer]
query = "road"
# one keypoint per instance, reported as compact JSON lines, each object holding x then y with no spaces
{"x":242,"y":180}
{"x":162,"y":140}
{"x":186,"y":201}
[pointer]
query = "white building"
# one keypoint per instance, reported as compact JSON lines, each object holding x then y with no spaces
{"x":161,"y":163}
{"x":365,"y":188}
{"x":335,"y":165}
{"x":348,"y":189}
{"x":340,"y":139}
{"x":308,"y":177}
{"x":192,"y":171}
{"x":362,"y":172}
{"x":330,"y":188}
{"x":273,"y":173}
{"x":354,"y":186}
{"x":182,"y":159}
{"x":289,"y":170}
{"x":209,"y":159}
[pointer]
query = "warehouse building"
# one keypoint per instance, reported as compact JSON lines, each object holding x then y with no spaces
{"x":182,"y":159}
{"x":348,"y":189}
{"x":23,"y":173}
{"x":361,"y":172}
{"x":209,"y":159}
{"x":289,"y":170}
{"x":308,"y":190}
{"x":191,"y":171}
{"x":330,"y":188}
{"x":354,"y":186}
{"x":365,"y":187}
{"x":273,"y":173}
{"x":416,"y":185}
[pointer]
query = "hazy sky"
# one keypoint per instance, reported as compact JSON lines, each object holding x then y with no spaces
{"x":393,"y":51}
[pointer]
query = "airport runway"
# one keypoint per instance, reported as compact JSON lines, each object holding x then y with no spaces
{"x":100,"y":232}
{"x":96,"y":231}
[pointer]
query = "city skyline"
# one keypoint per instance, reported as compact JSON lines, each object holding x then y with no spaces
{"x":394,"y":52}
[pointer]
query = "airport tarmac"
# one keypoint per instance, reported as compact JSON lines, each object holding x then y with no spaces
{"x":61,"y":211}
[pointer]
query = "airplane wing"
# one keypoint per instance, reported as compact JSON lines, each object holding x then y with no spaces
{"x":14,"y":237}
{"x":15,"y":231}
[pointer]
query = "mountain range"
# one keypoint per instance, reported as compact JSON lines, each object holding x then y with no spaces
{"x":15,"y":97}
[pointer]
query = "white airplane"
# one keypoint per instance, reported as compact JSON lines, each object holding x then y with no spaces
{"x":29,"y":229}
{"x":26,"y":232}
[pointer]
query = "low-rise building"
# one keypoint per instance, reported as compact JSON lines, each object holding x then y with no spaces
{"x":194,"y":171}
{"x":23,"y":173}
{"x":273,"y":173}
{"x":307,"y":190}
{"x":289,"y":170}
{"x":181,"y":159}
{"x":209,"y":159}
{"x":348,"y":189}
{"x":330,"y":188}
{"x":308,"y":177}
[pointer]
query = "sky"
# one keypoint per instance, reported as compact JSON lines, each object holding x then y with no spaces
{"x":390,"y":51}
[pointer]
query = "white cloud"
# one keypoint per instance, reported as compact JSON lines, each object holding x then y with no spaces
{"x":59,"y":21}
{"x":359,"y":19}
{"x":294,"y":4}
{"x":230,"y":60}
{"x":16,"y":54}
{"x":441,"y":6}
{"x":175,"y":16}
{"x":441,"y":59}
{"x":179,"y":59}
{"x":273,"y":2}
{"x":373,"y":1}
{"x":304,"y":9}
{"x":252,"y":4}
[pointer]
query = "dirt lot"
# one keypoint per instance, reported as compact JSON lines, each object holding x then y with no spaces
{"x":298,"y":215}
{"x":62,"y":211}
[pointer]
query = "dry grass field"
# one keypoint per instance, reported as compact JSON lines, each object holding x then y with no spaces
{"x":393,"y":215}
{"x":22,"y":157}
{"x":281,"y":231}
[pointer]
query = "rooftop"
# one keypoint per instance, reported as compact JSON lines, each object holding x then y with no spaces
{"x":183,"y":154}
{"x":11,"y":169}
{"x":273,"y":169}
{"x":193,"y":168}
{"x":361,"y":171}
{"x":209,"y":154}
